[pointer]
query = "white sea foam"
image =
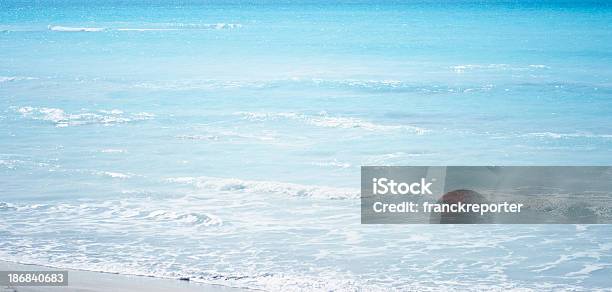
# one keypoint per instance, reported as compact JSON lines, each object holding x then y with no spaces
{"x":148,"y":29}
{"x":564,"y":258}
{"x":394,"y":157}
{"x":272,"y":187}
{"x":186,"y":218}
{"x":10,"y":163}
{"x":116,"y":174}
{"x":389,"y":85}
{"x":314,"y":83}
{"x":283,"y":282}
{"x":15,"y":78}
{"x":135,"y":210}
{"x":182,"y":26}
{"x":223,"y":25}
{"x":356,"y":83}
{"x":193,"y":84}
{"x":332,"y":163}
{"x":198,"y":137}
{"x":215,"y":26}
{"x":215,"y":134}
{"x":62,"y":119}
{"x":539,"y":66}
{"x":177,"y":237}
{"x":586,"y":270}
{"x":327,"y":121}
{"x":113,"y":150}
{"x":7,"y":206}
{"x":75,"y":29}
{"x":554,"y":135}
{"x":112,"y":112}
{"x":501,"y":67}
{"x":581,"y":227}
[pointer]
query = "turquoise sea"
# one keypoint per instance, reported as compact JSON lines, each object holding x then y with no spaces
{"x":222,"y":140}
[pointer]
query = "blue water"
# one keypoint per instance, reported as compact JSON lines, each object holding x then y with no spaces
{"x":222,"y":141}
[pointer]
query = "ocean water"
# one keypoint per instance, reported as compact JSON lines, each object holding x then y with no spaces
{"x":223,"y":141}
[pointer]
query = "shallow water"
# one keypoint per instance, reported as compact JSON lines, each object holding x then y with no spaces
{"x":223,"y":142}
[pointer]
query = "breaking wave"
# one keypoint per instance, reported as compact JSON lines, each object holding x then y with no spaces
{"x":332,"y":163}
{"x":117,"y":211}
{"x":62,"y":119}
{"x":75,"y":29}
{"x":184,"y":218}
{"x":115,"y":174}
{"x":327,"y":121}
{"x":270,"y":187}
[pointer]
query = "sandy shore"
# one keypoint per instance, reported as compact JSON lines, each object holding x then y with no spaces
{"x":104,"y":282}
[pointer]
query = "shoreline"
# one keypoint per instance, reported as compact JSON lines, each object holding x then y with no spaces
{"x":90,"y":281}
